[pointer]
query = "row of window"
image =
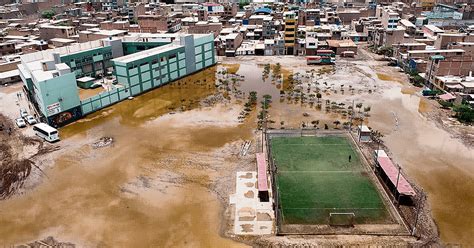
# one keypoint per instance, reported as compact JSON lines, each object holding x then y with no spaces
{"x":154,"y":61}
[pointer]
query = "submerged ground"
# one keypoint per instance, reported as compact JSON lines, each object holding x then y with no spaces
{"x":166,"y":179}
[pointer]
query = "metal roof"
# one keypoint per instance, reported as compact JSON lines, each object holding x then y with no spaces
{"x":397,"y":179}
{"x":263,"y":11}
{"x":262,"y":172}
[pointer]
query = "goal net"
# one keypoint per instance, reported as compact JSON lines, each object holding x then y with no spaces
{"x":341,"y":219}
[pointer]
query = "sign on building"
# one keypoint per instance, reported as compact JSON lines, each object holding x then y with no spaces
{"x":53,"y":109}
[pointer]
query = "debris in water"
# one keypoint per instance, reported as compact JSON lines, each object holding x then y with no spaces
{"x":103,"y":142}
{"x":50,"y":242}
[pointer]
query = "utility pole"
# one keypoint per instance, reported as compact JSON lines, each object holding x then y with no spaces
{"x":397,"y":194}
{"x":264,"y":126}
{"x":352,"y":117}
{"x":418,"y":209}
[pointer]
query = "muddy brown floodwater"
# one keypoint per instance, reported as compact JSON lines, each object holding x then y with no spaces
{"x":164,"y":180}
{"x":439,"y":163}
{"x":144,"y":191}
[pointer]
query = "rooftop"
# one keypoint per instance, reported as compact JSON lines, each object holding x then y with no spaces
{"x":436,"y":51}
{"x":147,"y":53}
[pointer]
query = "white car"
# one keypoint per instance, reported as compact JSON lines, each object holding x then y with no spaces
{"x":31,"y":120}
{"x":23,"y":113}
{"x":20,"y":123}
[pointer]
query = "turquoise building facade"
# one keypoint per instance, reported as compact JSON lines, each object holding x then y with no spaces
{"x":137,"y":66}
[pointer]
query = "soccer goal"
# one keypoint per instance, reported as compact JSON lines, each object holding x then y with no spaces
{"x":341,"y":219}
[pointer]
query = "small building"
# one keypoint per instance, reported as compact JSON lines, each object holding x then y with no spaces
{"x":262,"y":180}
{"x":348,"y":54}
{"x":85,"y":82}
{"x":340,"y":46}
{"x":60,"y":42}
{"x":48,"y":32}
{"x":363,"y":133}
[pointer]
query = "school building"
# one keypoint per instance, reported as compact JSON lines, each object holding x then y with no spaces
{"x":67,"y":83}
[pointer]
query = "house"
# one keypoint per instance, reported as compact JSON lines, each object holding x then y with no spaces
{"x":340,"y":46}
{"x":363,"y":133}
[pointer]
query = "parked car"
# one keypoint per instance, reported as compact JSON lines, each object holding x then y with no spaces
{"x":31,"y":120}
{"x":20,"y":122}
{"x":23,"y":113}
{"x":95,"y":85}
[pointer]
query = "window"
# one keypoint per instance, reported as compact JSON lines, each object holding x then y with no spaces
{"x":172,"y":56}
{"x":40,"y":131}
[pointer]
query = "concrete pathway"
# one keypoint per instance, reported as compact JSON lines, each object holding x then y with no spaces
{"x":252,"y":217}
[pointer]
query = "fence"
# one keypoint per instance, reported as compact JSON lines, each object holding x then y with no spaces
{"x":103,"y":100}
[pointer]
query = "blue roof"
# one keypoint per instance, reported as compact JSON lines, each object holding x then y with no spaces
{"x":263,"y":11}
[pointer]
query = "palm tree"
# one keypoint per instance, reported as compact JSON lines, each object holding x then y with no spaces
{"x":337,"y":122}
{"x":359,"y":106}
{"x":319,"y":96}
{"x":367,"y":109}
{"x":377,"y":137}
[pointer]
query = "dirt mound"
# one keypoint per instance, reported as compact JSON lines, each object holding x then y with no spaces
{"x":13,"y":169}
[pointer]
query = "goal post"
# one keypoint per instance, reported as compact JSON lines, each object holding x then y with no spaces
{"x":341,"y":219}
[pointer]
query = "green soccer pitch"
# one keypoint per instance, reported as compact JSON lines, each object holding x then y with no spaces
{"x":315,"y":178}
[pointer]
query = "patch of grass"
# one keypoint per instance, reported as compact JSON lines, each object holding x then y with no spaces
{"x":232,"y":68}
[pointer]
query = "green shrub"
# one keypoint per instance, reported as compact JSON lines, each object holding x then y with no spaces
{"x":464,"y":113}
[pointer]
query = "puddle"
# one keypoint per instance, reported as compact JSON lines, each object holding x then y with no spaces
{"x":424,"y":106}
{"x":408,"y":90}
{"x":247,"y":227}
{"x":263,"y":217}
{"x":249,"y":194}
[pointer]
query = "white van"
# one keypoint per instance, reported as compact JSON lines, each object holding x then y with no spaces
{"x":46,"y":132}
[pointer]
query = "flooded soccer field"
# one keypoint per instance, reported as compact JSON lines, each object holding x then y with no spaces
{"x":165,"y":179}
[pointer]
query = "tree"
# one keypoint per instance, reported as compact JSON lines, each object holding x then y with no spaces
{"x":377,"y":137}
{"x":464,"y":113}
{"x":337,"y":123}
{"x":243,"y":3}
{"x":267,"y":97}
{"x":359,"y":106}
{"x":276,"y":69}
{"x":417,"y":80}
{"x":48,"y":14}
{"x":318,"y":95}
{"x":367,"y":109}
{"x":253,"y":97}
{"x":386,"y":51}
